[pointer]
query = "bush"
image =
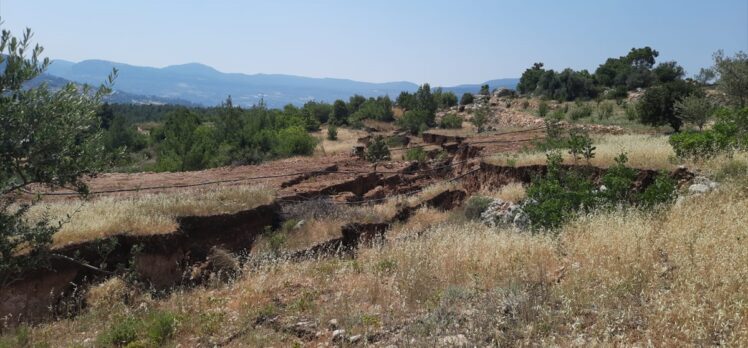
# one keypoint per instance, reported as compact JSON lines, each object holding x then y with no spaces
{"x":525,"y":104}
{"x":657,"y":105}
{"x":480,"y":117}
{"x":605,"y":110}
{"x":377,"y":150}
{"x":120,"y":333}
{"x":662,"y":190}
{"x":475,"y":206}
{"x":332,"y":132}
{"x":294,"y":141}
{"x":618,"y":180}
{"x":580,"y":111}
{"x":467,"y":98}
{"x":414,"y":121}
{"x":161,"y":327}
{"x":415,"y":154}
{"x":631,"y":112}
{"x":695,"y":110}
{"x":542,"y":108}
{"x":557,"y":196}
{"x":696,"y":144}
{"x":451,"y":121}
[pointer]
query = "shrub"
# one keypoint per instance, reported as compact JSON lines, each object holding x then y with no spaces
{"x":480,"y":118}
{"x":276,"y":241}
{"x":475,"y":206}
{"x":618,"y":180}
{"x":377,"y":150}
{"x":525,"y":104}
{"x":656,"y":107}
{"x":580,"y":111}
{"x":414,"y":121}
{"x":662,"y":190}
{"x":451,"y":121}
{"x":294,"y":141}
{"x":161,"y":327}
{"x":580,"y":145}
{"x":605,"y":110}
{"x":695,"y":110}
{"x":557,"y":196}
{"x":415,"y":154}
{"x":332,"y":132}
{"x":542,"y":108}
{"x":631,"y":112}
{"x":121,"y":332}
{"x":696,"y":144}
{"x":467,"y":98}
{"x":553,"y":136}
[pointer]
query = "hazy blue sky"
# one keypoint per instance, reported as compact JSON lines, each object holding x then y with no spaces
{"x":443,"y":42}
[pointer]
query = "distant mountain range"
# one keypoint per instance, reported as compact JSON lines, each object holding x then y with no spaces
{"x":203,"y":85}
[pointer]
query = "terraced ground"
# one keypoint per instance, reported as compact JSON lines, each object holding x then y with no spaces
{"x":332,"y":250}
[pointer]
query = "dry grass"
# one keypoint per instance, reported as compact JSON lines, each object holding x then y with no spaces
{"x":643,"y":151}
{"x":512,"y":192}
{"x":145,"y":214}
{"x":674,"y":278}
{"x":347,"y":138}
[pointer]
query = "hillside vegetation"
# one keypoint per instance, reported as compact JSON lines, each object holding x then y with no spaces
{"x":583,"y":209}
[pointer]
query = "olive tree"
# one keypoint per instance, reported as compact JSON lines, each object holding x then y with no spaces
{"x":732,"y":73}
{"x":694,"y":109}
{"x":48,"y":139}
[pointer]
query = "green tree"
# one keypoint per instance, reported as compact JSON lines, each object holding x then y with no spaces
{"x":332,"y":132}
{"x":657,"y":105}
{"x":467,"y":98}
{"x":695,"y":110}
{"x":480,"y":117}
{"x":47,"y":138}
{"x":732,"y":73}
{"x":317,"y":110}
{"x":355,"y":102}
{"x":414,"y":121}
{"x":425,"y":102}
{"x":178,"y":134}
{"x":484,"y":90}
{"x":529,"y":79}
{"x":229,"y":121}
{"x":377,"y":150}
{"x":106,"y":115}
{"x":339,"y":114}
{"x":406,"y":101}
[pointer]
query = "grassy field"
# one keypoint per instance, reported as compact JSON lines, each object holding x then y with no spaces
{"x":146,"y":213}
{"x":643,"y":151}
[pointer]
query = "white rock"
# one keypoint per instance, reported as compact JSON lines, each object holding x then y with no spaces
{"x":354,"y":338}
{"x":333,"y":323}
{"x":455,"y":341}
{"x":338,"y":334}
{"x":698,"y":188}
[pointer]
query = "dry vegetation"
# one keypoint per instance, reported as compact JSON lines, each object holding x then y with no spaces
{"x":144,"y":214}
{"x":674,"y":276}
{"x":643,"y":151}
{"x":626,"y":277}
{"x":347,"y":138}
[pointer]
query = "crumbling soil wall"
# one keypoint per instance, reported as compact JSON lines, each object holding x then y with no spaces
{"x":159,"y":260}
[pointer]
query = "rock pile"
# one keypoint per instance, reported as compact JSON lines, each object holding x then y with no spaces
{"x":503,"y":213}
